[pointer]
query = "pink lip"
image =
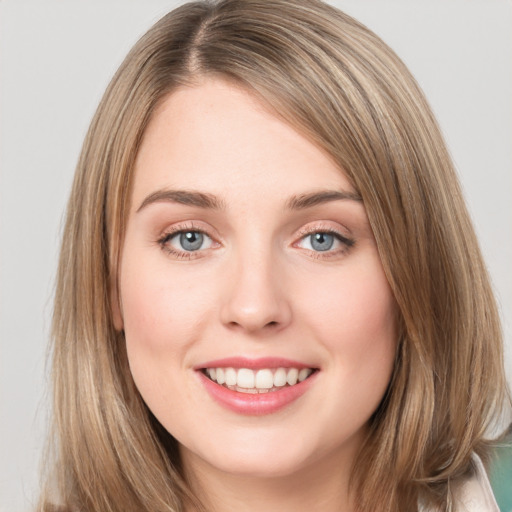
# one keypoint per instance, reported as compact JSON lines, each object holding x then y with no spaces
{"x":255,"y":404}
{"x":252,"y":364}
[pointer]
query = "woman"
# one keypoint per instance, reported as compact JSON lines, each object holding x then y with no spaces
{"x":270,"y":295}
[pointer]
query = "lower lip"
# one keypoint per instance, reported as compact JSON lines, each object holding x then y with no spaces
{"x":256,"y":404}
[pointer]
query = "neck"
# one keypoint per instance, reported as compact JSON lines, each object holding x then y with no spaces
{"x":321,"y":486}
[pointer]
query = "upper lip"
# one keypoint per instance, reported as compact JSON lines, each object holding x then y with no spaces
{"x":253,"y":363}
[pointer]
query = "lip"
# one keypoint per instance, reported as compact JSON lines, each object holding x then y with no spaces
{"x":253,"y":364}
{"x":254,"y":404}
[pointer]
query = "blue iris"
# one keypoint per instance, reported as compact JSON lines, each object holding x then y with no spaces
{"x":322,"y":241}
{"x":191,"y":240}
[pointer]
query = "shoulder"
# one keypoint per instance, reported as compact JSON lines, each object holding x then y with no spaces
{"x":475,"y":493}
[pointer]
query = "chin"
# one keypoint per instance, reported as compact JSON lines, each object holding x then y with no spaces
{"x":258,"y":466}
{"x":257,"y":455}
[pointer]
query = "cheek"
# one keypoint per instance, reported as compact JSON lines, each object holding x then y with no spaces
{"x":355,"y":318}
{"x":164,"y":314}
{"x":159,"y":308}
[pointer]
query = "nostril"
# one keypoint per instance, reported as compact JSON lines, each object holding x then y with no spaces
{"x":269,"y":325}
{"x":252,"y":311}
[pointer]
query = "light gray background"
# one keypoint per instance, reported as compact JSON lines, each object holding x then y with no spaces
{"x":56,"y":57}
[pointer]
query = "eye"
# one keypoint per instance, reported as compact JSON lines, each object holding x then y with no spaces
{"x":320,"y":241}
{"x":325,"y":241}
{"x":186,"y":241}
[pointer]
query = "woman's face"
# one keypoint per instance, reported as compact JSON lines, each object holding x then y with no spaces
{"x":259,"y":324}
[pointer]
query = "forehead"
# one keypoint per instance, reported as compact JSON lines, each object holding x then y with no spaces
{"x":220,"y":138}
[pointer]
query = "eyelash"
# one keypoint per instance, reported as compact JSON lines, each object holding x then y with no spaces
{"x":164,"y":240}
{"x":347,"y":243}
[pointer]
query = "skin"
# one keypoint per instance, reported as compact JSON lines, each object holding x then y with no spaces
{"x":257,"y":289}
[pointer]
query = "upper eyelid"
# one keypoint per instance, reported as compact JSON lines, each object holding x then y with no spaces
{"x":315,"y":229}
{"x":308,"y":229}
{"x":324,"y":228}
{"x":185,"y":227}
{"x":166,"y":236}
{"x":176,"y":231}
{"x":349,"y":242}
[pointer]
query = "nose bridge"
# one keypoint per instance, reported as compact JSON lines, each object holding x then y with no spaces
{"x":257,"y":296}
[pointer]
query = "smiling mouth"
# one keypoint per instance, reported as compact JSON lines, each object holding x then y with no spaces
{"x":265,"y":380}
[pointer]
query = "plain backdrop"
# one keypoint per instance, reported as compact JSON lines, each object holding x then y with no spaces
{"x":56,"y":58}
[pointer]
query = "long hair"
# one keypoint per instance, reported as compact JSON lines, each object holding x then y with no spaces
{"x":336,"y":82}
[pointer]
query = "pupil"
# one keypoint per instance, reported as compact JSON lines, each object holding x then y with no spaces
{"x":322,"y":241}
{"x":191,"y":241}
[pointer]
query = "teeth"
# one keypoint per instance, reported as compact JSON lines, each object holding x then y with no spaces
{"x":245,"y":378}
{"x":230,"y":377}
{"x":304,"y":374}
{"x":264,"y":379}
{"x":280,"y":377}
{"x":291,"y":376}
{"x":260,"y":381}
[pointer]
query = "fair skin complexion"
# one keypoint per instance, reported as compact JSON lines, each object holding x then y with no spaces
{"x":245,"y":240}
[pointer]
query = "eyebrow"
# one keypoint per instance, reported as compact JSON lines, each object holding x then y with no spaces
{"x":212,"y":202}
{"x":186,"y":197}
{"x":303,"y":201}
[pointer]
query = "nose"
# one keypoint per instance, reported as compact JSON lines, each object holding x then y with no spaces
{"x":257,"y":300}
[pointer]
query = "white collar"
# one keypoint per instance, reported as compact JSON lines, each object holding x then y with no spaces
{"x":473,"y":494}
